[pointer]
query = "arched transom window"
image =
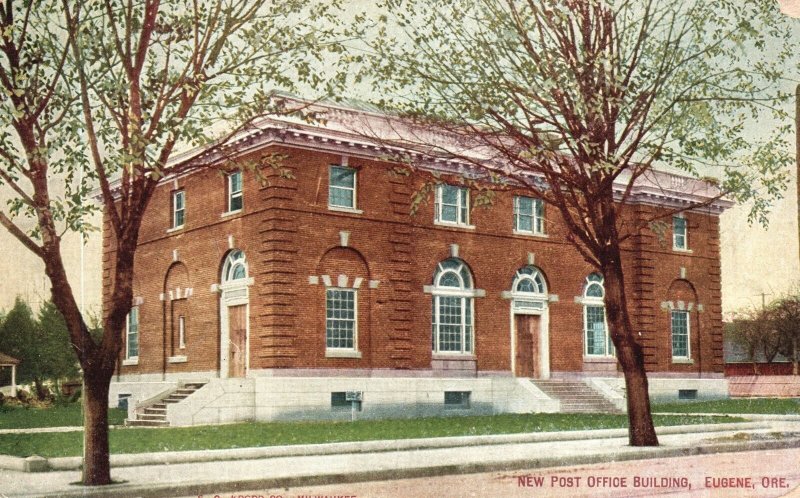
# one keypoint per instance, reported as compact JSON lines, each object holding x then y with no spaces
{"x":452,"y":308}
{"x":235,"y":267}
{"x":596,"y":339}
{"x":528,"y":280}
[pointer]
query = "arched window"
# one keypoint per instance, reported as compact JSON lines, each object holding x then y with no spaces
{"x":452,"y":308}
{"x":596,"y":338}
{"x":235,"y":267}
{"x":528,"y":279}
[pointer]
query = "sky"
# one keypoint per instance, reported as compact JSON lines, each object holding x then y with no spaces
{"x":757,"y":262}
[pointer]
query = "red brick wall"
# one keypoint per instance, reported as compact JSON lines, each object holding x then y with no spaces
{"x":288,"y":234}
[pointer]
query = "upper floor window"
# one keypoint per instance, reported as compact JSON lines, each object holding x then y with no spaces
{"x":340,"y":318}
{"x":235,"y":198}
{"x":178,"y":208}
{"x":596,"y":339}
{"x":452,"y":204}
{"x":132,"y":334}
{"x":528,"y":215}
{"x":452,"y":308}
{"x":679,"y":233}
{"x":679,"y":324}
{"x":342,"y":187}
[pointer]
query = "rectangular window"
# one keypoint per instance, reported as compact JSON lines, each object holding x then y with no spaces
{"x":452,"y":205}
{"x":456,"y":399}
{"x":339,"y":401}
{"x":132,"y":342}
{"x":598,"y":342}
{"x":452,"y":324}
{"x":528,"y":215}
{"x":182,"y":332}
{"x":235,"y":198}
{"x":679,"y":235}
{"x":340,"y":325}
{"x":680,"y":334}
{"x":342,"y":187}
{"x":687,"y":393}
{"x":178,"y":208}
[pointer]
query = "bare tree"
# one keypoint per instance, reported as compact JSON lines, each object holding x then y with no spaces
{"x":579,"y":100}
{"x":101,"y":94}
{"x":786,"y":319}
{"x":755,"y":331}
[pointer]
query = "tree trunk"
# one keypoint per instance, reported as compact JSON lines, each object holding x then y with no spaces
{"x":96,"y":463}
{"x":794,"y":339}
{"x":641,"y":431}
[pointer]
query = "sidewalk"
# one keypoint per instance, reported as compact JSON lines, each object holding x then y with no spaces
{"x":381,"y":460}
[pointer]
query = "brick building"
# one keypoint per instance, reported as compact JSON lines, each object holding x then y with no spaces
{"x":319,"y":292}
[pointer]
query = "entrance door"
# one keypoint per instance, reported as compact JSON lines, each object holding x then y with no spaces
{"x":527,"y":347}
{"x":237,"y":329}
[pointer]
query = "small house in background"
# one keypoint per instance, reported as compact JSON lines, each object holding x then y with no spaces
{"x":8,"y":361}
{"x":318,"y":294}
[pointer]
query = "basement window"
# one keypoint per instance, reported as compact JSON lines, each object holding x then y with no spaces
{"x":687,"y":393}
{"x":339,"y":401}
{"x":456,"y":399}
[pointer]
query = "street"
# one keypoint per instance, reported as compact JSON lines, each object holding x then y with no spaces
{"x":748,"y":474}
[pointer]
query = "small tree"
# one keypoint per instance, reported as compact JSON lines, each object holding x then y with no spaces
{"x":786,"y":317}
{"x":756,"y":332}
{"x":17,"y":339}
{"x":578,"y":100}
{"x":57,"y":360}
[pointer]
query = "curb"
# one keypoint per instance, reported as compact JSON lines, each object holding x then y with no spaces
{"x":378,"y":446}
{"x":209,"y":487}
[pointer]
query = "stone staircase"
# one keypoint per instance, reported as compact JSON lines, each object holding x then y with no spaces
{"x":155,"y":415}
{"x":576,"y":396}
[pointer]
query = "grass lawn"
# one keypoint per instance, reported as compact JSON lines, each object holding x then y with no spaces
{"x":15,"y":417}
{"x":782,"y":406}
{"x":139,"y":440}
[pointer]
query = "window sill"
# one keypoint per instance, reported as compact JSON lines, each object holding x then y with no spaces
{"x":175,"y":229}
{"x":530,"y":234}
{"x":678,"y":249}
{"x":228,"y":214}
{"x":454,"y":225}
{"x":342,"y":353}
{"x":177,"y":359}
{"x":599,"y":359}
{"x":453,"y":356}
{"x":344,"y":209}
{"x":130,"y":361}
{"x":682,"y":361}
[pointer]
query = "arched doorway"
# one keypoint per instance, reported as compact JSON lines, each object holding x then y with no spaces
{"x":234,"y":311}
{"x":530,"y":341}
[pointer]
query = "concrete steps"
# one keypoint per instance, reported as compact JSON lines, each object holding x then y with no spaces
{"x":155,"y":415}
{"x":576,"y":396}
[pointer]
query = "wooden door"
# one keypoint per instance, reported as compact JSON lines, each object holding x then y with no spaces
{"x":237,"y":330}
{"x":527,"y":347}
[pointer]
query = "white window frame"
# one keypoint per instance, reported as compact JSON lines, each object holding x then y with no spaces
{"x":181,"y":332}
{"x":675,"y":245}
{"x":353,"y":189}
{"x":594,"y":301}
{"x":466,"y":295}
{"x":462,"y":206}
{"x":536,"y":214}
{"x":235,"y":194}
{"x":175,"y":196}
{"x":672,"y":315}
{"x":133,"y":312}
{"x":354,"y":320}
